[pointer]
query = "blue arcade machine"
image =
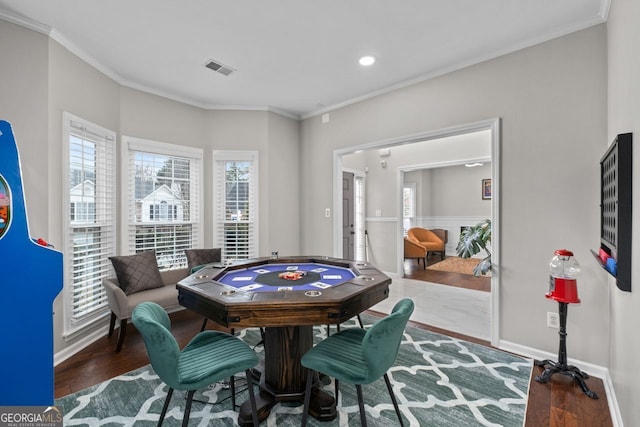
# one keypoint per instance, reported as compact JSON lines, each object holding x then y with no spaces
{"x":31,"y":275}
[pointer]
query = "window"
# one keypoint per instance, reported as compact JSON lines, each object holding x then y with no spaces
{"x":360,"y":225}
{"x":163,"y":200}
{"x":236,"y":204}
{"x":163,"y":212}
{"x":89,"y":220}
{"x":408,"y":207}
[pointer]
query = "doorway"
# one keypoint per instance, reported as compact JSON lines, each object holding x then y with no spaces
{"x":348,"y":215}
{"x":384,"y":220}
{"x":445,"y":199}
{"x":354,"y":245}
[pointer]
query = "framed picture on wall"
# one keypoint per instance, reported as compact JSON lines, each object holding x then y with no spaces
{"x":486,"y":189}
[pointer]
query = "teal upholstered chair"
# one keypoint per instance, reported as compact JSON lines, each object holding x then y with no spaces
{"x":359,"y":356}
{"x":210,"y":356}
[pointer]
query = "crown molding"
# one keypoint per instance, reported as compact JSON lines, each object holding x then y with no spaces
{"x":602,"y":17}
{"x":25,"y":22}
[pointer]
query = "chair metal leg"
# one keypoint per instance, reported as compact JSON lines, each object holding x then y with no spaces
{"x":252,"y":398}
{"x":187,"y":408}
{"x":112,"y":323}
{"x":121,"y":333}
{"x":393,"y":398}
{"x":307,"y":397}
{"x":338,"y":326}
{"x":165,"y":406}
{"x":232,"y":384}
{"x":336,"y":385}
{"x":363,"y":415}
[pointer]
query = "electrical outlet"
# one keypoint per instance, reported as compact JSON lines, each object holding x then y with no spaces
{"x":553,"y":321}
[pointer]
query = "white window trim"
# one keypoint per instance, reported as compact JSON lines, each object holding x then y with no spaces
{"x":73,"y":329}
{"x":237,"y":155}
{"x":162,"y":148}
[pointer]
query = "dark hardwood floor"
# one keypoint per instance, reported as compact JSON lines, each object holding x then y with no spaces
{"x":415,"y":271}
{"x":559,"y":403}
{"x":98,"y":362}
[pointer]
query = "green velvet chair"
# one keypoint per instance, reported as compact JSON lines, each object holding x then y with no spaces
{"x":210,"y":357}
{"x":359,"y":356}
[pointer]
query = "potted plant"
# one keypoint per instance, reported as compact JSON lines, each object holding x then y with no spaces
{"x":473,"y":240}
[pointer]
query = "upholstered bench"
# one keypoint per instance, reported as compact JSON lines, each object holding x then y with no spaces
{"x":138,"y":279}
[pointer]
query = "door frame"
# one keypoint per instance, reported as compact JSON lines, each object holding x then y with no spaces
{"x":490,"y":124}
{"x":351,"y":254}
{"x":358,"y":174}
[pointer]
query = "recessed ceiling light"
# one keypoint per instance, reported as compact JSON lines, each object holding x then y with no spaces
{"x":367,"y":60}
{"x":473,"y":165}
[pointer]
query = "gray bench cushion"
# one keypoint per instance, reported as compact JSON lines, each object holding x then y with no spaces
{"x":122,"y":305}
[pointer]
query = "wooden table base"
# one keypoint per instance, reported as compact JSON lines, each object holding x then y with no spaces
{"x":282,"y":378}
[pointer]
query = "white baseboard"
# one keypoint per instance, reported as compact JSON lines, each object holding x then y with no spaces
{"x":593,"y":370}
{"x":83,"y":340}
{"x":79,"y":344}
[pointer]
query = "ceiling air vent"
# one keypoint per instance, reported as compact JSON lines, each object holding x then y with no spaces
{"x":219,"y":67}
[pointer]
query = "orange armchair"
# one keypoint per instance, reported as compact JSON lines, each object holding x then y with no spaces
{"x":413,"y":250}
{"x":428,"y":239}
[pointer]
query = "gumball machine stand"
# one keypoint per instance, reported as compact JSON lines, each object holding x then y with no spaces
{"x":563,"y":289}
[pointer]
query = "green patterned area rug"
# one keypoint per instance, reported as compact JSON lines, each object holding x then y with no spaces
{"x":438,"y":380}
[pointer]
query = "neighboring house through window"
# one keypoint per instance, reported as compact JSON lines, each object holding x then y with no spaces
{"x":163,"y":207}
{"x":89,"y":220}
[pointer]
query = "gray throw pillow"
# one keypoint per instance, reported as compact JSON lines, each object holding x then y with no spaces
{"x":137,"y":272}
{"x":197,"y":257}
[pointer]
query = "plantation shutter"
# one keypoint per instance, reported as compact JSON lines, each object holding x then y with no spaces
{"x":90,"y":218}
{"x":163,"y":203}
{"x":235,"y":204}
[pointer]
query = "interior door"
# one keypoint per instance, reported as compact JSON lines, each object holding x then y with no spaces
{"x":348,"y":217}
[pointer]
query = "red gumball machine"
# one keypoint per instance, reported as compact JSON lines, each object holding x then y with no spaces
{"x":563,"y":288}
{"x":562,"y":281}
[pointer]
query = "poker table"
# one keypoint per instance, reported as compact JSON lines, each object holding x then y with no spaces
{"x":286,"y":297}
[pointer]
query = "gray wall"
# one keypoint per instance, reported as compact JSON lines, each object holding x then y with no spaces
{"x":623,"y":36}
{"x":552,"y":99}
{"x":40,"y":79}
{"x":382,"y":185}
{"x":77,"y":88}
{"x":24,"y":90}
{"x":552,"y":102}
{"x":456,"y":191}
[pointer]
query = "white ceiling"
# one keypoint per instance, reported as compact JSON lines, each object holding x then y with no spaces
{"x":298,"y":57}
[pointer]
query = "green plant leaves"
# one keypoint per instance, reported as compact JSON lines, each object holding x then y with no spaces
{"x":473,"y":240}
